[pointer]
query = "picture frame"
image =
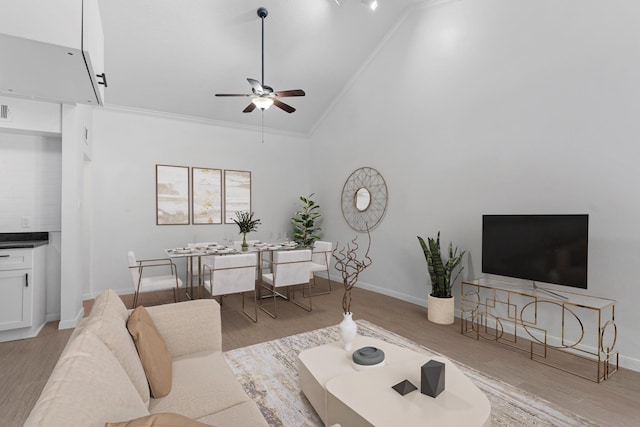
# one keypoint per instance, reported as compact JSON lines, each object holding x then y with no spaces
{"x":206,"y":200}
{"x":237,"y":193}
{"x":172,"y":195}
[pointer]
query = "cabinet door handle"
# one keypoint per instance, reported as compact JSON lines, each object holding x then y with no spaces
{"x":5,"y":256}
{"x":26,"y":278}
{"x":103,"y":76}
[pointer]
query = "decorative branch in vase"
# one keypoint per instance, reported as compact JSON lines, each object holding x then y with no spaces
{"x":246,"y":224}
{"x":350,"y":267}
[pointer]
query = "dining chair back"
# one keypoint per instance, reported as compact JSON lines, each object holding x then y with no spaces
{"x":321,"y":262}
{"x":231,"y":274}
{"x":288,"y":268}
{"x":147,"y":283}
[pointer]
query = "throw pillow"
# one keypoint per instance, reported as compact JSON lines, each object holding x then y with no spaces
{"x":159,"y":420}
{"x":153,"y":352}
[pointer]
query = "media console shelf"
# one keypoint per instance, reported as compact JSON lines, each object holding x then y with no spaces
{"x":569,"y":331}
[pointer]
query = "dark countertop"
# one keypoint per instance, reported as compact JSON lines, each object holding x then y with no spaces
{"x":23,"y":244}
{"x":23,"y":240}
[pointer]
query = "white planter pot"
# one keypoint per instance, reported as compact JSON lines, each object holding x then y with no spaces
{"x":441,"y":310}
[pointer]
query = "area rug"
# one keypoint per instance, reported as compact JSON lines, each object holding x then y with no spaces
{"x":269,"y":374}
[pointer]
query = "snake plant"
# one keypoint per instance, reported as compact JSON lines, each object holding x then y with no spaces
{"x":439,"y":271}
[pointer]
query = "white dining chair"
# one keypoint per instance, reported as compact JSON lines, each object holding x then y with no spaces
{"x":288,"y":269}
{"x":232,"y":274}
{"x":142,"y":283}
{"x":321,"y":262}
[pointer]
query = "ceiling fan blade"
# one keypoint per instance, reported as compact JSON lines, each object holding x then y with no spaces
{"x":232,"y":94}
{"x":294,"y":92}
{"x":249,"y":108}
{"x":283,"y":106}
{"x":256,"y":86}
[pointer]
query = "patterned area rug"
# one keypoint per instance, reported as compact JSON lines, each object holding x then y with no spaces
{"x":269,"y":374}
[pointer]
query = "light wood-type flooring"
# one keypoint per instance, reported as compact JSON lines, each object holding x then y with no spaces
{"x":25,"y":365}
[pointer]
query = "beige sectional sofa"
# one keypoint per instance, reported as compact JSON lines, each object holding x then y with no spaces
{"x":99,"y":377}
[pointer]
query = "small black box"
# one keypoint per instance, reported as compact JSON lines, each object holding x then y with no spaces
{"x":432,"y":378}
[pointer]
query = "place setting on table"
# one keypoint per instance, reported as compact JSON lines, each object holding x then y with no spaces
{"x":199,"y":250}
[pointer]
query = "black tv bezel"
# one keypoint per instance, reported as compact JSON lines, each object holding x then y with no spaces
{"x":583,"y":217}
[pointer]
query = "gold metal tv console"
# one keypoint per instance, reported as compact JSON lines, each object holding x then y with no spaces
{"x":568,"y":331}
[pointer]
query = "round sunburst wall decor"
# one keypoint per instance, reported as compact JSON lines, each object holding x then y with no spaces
{"x":364,"y":199}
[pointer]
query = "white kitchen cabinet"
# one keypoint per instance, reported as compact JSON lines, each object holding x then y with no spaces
{"x":23,"y":292}
{"x":52,"y":50}
{"x":15,"y":307}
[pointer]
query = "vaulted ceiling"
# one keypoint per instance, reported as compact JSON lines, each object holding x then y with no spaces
{"x":174,"y":56}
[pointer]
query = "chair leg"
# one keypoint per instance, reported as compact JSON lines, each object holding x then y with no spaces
{"x":255,"y":308}
{"x":275,"y":305}
{"x":137,"y":293}
{"x":314,"y":285}
{"x":293,"y":299}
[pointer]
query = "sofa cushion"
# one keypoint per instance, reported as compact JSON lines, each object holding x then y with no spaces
{"x":160,"y":420}
{"x":108,"y":303}
{"x":190,"y":326}
{"x":153,"y":352}
{"x":202,"y":384}
{"x":87,"y":388}
{"x":113,"y":332}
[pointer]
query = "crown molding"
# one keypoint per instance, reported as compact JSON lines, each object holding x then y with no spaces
{"x":200,"y":120}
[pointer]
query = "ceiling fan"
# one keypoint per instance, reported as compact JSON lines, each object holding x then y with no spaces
{"x":263,"y":95}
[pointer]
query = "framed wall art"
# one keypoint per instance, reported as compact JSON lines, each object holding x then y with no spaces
{"x":206,"y":196}
{"x":172,"y":195}
{"x":237,"y":193}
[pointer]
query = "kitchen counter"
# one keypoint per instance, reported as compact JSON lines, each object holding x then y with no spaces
{"x":23,"y":240}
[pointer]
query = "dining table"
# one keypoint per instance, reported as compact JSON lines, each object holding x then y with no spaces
{"x":194,"y":251}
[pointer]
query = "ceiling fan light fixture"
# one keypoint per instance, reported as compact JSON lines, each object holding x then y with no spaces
{"x":262,"y":102}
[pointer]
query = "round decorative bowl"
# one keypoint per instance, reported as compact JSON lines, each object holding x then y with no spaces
{"x":367,"y":358}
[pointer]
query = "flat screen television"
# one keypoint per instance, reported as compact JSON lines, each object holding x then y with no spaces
{"x":543,"y":248}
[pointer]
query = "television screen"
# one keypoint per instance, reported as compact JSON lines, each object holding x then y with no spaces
{"x":543,"y":248}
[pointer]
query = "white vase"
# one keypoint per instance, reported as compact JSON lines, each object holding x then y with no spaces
{"x":440,"y":310}
{"x":348,"y":331}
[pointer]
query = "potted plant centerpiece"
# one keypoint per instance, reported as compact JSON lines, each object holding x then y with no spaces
{"x":440,"y":305}
{"x":247,"y":224}
{"x":304,"y":222}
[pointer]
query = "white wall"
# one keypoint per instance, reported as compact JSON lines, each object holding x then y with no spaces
{"x":31,"y":117}
{"x":76,"y":150}
{"x":495,"y":106}
{"x":127,"y":147}
{"x":30,"y":170}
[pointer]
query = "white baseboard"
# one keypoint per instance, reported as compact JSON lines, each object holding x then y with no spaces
{"x":630,"y":363}
{"x":72,"y":323}
{"x":52,"y":317}
{"x":422,"y":302}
